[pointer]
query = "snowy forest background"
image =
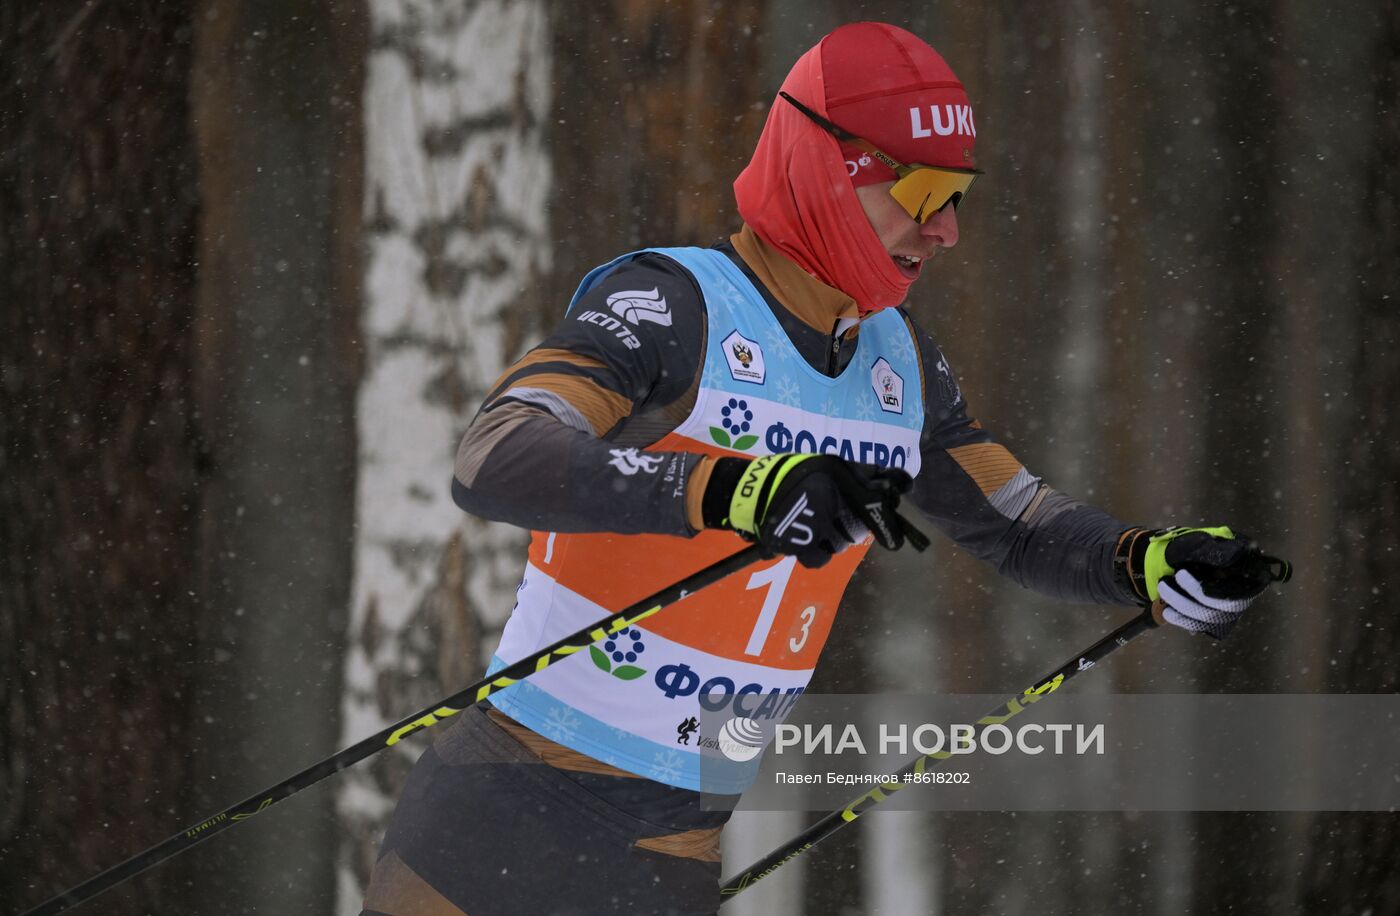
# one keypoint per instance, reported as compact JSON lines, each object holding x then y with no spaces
{"x":259,"y":261}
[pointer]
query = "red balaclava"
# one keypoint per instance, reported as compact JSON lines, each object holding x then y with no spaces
{"x":886,"y":86}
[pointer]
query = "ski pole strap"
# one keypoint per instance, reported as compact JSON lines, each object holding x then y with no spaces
{"x":916,"y":538}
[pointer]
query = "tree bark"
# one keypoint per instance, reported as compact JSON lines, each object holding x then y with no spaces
{"x":276,"y":100}
{"x":98,"y":463}
{"x":658,"y":109}
{"x":1351,"y":857}
{"x":457,"y":196}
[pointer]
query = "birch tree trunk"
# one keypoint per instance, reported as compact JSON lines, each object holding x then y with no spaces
{"x":457,"y":198}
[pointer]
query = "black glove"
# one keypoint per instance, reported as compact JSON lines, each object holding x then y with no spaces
{"x":1206,"y":577}
{"x":809,"y":506}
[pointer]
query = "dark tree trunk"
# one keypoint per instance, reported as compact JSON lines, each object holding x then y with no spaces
{"x":1352,"y":857}
{"x":649,"y":162}
{"x":1231,"y":392}
{"x":276,"y":102}
{"x":98,"y":467}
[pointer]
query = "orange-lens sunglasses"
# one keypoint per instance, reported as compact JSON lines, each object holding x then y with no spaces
{"x":922,"y":190}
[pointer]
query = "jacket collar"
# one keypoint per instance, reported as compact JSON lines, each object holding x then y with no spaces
{"x":817,"y":305}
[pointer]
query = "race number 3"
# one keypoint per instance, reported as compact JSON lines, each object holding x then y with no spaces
{"x":796,"y":643}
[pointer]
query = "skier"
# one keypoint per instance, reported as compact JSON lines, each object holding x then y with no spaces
{"x":768,"y":388}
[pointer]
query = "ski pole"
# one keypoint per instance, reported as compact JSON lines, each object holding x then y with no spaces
{"x":1277,"y":570}
{"x":1042,"y":688}
{"x":832,"y":822}
{"x":391,"y":735}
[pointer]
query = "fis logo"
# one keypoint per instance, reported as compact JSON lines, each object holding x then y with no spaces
{"x":635,"y":306}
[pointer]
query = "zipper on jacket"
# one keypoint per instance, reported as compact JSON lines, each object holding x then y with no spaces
{"x":835,"y":350}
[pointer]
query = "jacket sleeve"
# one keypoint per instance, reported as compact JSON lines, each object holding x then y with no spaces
{"x":538,"y":454}
{"x":976,"y":492}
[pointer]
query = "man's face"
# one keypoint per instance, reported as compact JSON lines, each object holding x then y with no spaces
{"x":909,"y":243}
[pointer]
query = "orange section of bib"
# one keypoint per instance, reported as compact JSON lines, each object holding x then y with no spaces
{"x":775,"y":613}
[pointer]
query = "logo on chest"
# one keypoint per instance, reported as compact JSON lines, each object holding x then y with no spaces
{"x":745,"y":358}
{"x":736,"y":419}
{"x":889,"y":387}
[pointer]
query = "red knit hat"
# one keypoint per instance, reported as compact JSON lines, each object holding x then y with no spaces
{"x":883,"y":84}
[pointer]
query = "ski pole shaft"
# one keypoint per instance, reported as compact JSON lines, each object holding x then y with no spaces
{"x":391,"y":735}
{"x":1017,"y":704}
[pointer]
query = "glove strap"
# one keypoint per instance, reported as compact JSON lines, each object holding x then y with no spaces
{"x":1128,"y":562}
{"x":751,"y":493}
{"x":756,"y":483}
{"x":724,"y":480}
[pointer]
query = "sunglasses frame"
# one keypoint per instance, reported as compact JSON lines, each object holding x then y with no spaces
{"x":900,"y":170}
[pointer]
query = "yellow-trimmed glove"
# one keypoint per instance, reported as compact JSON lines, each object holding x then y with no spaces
{"x":1206,"y":577}
{"x":809,"y":506}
